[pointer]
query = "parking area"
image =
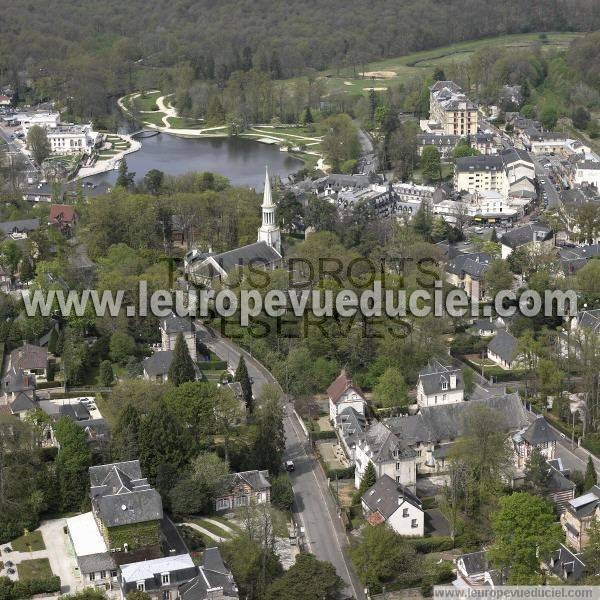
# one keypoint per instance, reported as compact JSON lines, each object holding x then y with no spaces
{"x":332,"y":454}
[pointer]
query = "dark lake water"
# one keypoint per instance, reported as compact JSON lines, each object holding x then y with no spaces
{"x":241,"y":161}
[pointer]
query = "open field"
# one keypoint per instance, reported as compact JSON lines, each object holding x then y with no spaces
{"x":392,"y":71}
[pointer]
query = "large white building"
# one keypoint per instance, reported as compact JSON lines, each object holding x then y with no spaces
{"x":451,"y":110}
{"x":587,"y":172}
{"x":440,"y":383}
{"x":72,"y":139}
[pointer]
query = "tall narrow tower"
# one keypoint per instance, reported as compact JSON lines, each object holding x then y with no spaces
{"x":268,"y":231}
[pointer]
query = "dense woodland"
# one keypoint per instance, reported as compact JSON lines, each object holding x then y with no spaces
{"x":85,"y":53}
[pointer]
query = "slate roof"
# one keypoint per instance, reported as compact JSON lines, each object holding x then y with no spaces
{"x":29,"y":356}
{"x":387,"y":496}
{"x":504,"y":345}
{"x":22,"y":403}
{"x":352,"y":425}
{"x":475,"y":563}
{"x":212,"y":574}
{"x":257,"y":480}
{"x":158,"y":363}
{"x":121,"y":496}
{"x":539,"y":432}
{"x":435,"y":373}
{"x":259,"y":253}
{"x":76,"y":411}
{"x":485,"y":325}
{"x":585,"y":505}
{"x":175,"y":324}
{"x":482,"y":162}
{"x":525,"y":235}
{"x":567,"y":565}
{"x":384,"y":445}
{"x":573,"y":259}
{"x":589,"y":319}
{"x":18,"y":381}
{"x":474,"y":264}
{"x":92,"y":563}
{"x":446,"y":422}
{"x":342,"y":383}
{"x":19,"y":226}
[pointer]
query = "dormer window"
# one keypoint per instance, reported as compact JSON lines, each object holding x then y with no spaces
{"x":141,"y":586}
{"x":444,"y":384}
{"x":165,"y":578}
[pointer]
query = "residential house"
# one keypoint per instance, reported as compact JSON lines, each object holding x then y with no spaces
{"x":503,"y":350}
{"x":433,"y":430}
{"x":29,"y":360}
{"x":351,"y":426}
{"x":474,"y":569}
{"x":16,"y":381}
{"x":390,"y":502}
{"x":342,"y":393}
{"x":574,"y":258}
{"x":22,"y":404}
{"x":214,"y":580}
{"x":97,"y":566}
{"x":63,"y":217}
{"x":156,"y":367}
{"x":466,"y":271}
{"x":485,"y":327}
{"x":171,"y":327}
{"x":127,"y":509}
{"x":538,"y":435}
{"x":577,"y":519}
{"x":247,"y":488}
{"x":440,"y":382}
{"x":160,"y":578}
{"x":587,"y":172}
{"x":19,"y":229}
{"x":444,"y":144}
{"x":484,"y":143}
{"x":567,"y":565}
{"x":533,"y":237}
{"x":389,"y":455}
{"x":561,"y":490}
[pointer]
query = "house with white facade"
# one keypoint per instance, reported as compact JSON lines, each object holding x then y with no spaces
{"x":395,"y":505}
{"x":342,"y":394}
{"x":171,"y":327}
{"x":503,"y":350}
{"x":388,"y":454}
{"x":532,"y":237}
{"x":587,"y":173}
{"x":440,"y":382}
{"x":72,"y":139}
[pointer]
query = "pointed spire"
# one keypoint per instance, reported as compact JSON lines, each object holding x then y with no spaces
{"x":267,"y":195}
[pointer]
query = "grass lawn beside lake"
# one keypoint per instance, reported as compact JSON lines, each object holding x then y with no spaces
{"x":31,"y":542}
{"x":38,"y":568}
{"x":146,"y":101}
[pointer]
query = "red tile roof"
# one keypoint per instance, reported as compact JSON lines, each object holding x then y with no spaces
{"x":61,"y":213}
{"x":340,"y":385}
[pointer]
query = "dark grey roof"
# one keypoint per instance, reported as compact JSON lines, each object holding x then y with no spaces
{"x":29,"y":356}
{"x":92,"y":563}
{"x":573,"y":259}
{"x":580,"y":195}
{"x":446,"y":422}
{"x":387,"y":496}
{"x":22,"y":403}
{"x":212,"y":574}
{"x":475,"y":562}
{"x":485,"y":325}
{"x":482,"y":162}
{"x":511,"y":155}
{"x":120,"y":496}
{"x":567,"y":565}
{"x":474,"y":264}
{"x":526,"y":234}
{"x":589,"y":319}
{"x":257,"y":480}
{"x":504,"y":345}
{"x":158,"y":363}
{"x":19,"y":226}
{"x":176,"y":324}
{"x":431,"y":139}
{"x":539,"y":432}
{"x":436,"y":373}
{"x":352,"y":425}
{"x":17,"y":381}
{"x":384,"y":445}
{"x":77,"y":411}
{"x":586,"y":504}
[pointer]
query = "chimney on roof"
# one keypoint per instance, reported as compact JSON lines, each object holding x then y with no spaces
{"x":453,"y":380}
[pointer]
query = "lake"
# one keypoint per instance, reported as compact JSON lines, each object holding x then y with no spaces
{"x":241,"y":161}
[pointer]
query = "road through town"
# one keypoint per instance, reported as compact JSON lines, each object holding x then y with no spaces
{"x":315,"y":509}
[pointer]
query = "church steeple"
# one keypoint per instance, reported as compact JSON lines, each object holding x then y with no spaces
{"x":269,"y":232}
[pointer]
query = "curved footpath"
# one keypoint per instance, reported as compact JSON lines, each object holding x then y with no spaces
{"x":314,"y":507}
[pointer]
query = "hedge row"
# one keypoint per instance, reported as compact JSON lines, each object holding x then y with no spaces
{"x":212,"y":365}
{"x":323,"y":435}
{"x":44,"y":385}
{"x":431,"y":544}
{"x":496,"y":372}
{"x":591,"y":442}
{"x":13,"y":590}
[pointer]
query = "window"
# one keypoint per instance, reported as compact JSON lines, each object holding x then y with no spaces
{"x":165,"y":578}
{"x":444,"y":385}
{"x":92,"y":576}
{"x":414,"y":524}
{"x":102,"y":574}
{"x":223,"y":503}
{"x":405,"y":512}
{"x":113,"y":573}
{"x":141,"y":586}
{"x":166,"y":595}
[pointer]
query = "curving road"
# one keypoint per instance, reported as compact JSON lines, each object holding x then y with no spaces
{"x":314,"y":508}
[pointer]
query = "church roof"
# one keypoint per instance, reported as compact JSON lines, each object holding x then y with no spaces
{"x":267,"y":195}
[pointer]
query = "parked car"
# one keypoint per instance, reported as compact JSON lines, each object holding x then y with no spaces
{"x":289,"y":465}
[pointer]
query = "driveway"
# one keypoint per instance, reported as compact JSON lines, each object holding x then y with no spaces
{"x":60,"y":554}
